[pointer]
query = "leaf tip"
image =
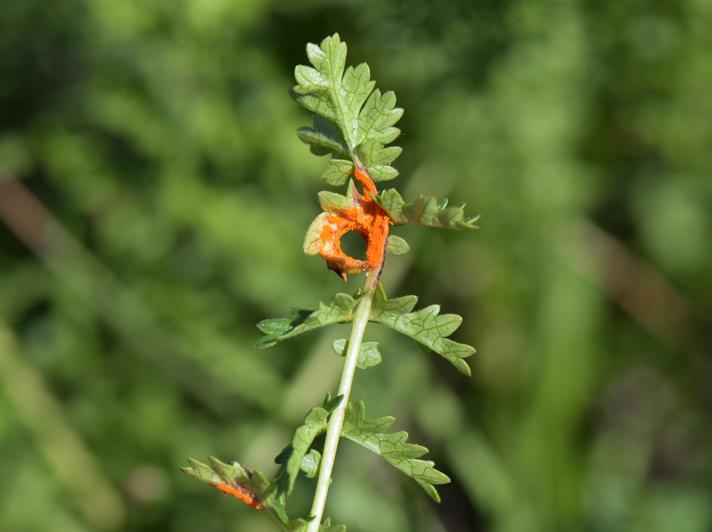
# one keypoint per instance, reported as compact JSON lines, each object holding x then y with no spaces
{"x":464,"y":368}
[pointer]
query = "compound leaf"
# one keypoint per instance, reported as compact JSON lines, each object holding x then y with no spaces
{"x":426,"y":326}
{"x":292,"y":457}
{"x":252,"y":487}
{"x":346,"y":97}
{"x":339,"y":310}
{"x":425,"y":210}
{"x":393,"y":447}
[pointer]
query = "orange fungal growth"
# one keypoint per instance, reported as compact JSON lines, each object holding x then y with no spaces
{"x":368,"y":185}
{"x":364,"y":216}
{"x":241,"y":494}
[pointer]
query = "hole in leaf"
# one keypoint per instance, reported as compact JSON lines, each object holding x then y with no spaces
{"x":354,"y":244}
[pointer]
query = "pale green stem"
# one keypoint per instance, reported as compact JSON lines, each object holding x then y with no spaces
{"x":336,"y":422}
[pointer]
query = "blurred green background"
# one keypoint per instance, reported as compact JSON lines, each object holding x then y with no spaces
{"x":153,"y":202}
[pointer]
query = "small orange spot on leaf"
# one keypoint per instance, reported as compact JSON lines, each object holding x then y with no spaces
{"x":241,"y":494}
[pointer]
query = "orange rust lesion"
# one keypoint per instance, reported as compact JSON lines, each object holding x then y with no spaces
{"x":366,"y":217}
{"x":241,"y":494}
{"x":369,"y":187}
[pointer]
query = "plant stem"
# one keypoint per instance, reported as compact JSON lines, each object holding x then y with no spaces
{"x":336,"y":422}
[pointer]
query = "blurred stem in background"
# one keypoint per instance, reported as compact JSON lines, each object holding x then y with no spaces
{"x":70,"y":460}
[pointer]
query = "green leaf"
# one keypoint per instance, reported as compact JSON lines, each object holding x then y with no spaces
{"x":426,"y":326}
{"x":240,"y":478}
{"x":310,"y":463}
{"x":328,"y":526}
{"x":356,"y":85}
{"x":300,"y":525}
{"x":331,"y":403}
{"x":339,"y":310}
{"x":319,"y":105}
{"x":346,"y":97}
{"x":338,"y":172}
{"x":378,"y":116}
{"x":382,"y":172}
{"x":396,"y":245}
{"x":330,"y":201}
{"x":326,"y":91}
{"x":312,"y":246}
{"x":233,"y":474}
{"x":393,"y":447}
{"x":377,"y":159}
{"x":292,"y":457}
{"x":368,"y":355}
{"x":323,"y":139}
{"x":426,"y":210}
{"x":309,"y":79}
{"x":373,"y":153}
